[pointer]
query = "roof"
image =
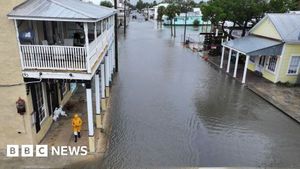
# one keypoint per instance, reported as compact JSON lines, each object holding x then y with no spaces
{"x":254,"y":45}
{"x":287,"y":25}
{"x":60,"y":10}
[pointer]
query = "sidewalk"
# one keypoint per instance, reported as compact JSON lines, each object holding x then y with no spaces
{"x":61,"y":133}
{"x":286,"y":99}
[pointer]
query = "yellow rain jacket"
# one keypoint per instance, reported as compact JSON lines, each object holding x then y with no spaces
{"x":76,"y":123}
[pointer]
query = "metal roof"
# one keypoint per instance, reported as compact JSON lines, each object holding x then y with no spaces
{"x":60,"y":10}
{"x":253,"y":46}
{"x":286,"y":24}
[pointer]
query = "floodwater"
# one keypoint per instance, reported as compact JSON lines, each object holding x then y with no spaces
{"x":171,"y":109}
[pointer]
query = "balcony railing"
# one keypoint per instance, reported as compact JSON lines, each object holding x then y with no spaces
{"x":49,"y":57}
{"x":53,"y":57}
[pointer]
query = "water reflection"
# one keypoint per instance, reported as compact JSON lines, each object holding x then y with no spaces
{"x":172,"y":109}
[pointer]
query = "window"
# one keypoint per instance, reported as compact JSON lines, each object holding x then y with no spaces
{"x":272,"y":63}
{"x":40,"y":102}
{"x":294,"y":65}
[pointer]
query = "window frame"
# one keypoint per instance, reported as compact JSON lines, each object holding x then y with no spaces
{"x":267,"y":66}
{"x":290,"y":61}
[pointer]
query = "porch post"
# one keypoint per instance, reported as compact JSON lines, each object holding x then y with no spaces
{"x":98,"y":101}
{"x":236,"y":64}
{"x":86,"y":32}
{"x":229,"y":58}
{"x":103,"y":101}
{"x":106,"y":63}
{"x":245,"y":69}
{"x":222,"y":57}
{"x":95,"y":30}
{"x":89,"y":103}
{"x":111,"y":63}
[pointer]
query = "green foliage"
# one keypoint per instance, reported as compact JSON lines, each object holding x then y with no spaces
{"x":160,"y":12}
{"x":196,"y":22}
{"x":172,"y":10}
{"x":140,"y":5}
{"x":281,"y":6}
{"x":106,"y":4}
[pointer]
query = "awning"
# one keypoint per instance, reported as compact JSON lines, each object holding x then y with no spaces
{"x":254,"y":46}
{"x":60,"y":10}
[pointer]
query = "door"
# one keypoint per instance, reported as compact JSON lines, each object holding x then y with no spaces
{"x":261,"y":63}
{"x":52,"y":96}
{"x":38,"y":104}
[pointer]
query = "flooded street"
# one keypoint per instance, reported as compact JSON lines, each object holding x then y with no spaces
{"x":170,"y":108}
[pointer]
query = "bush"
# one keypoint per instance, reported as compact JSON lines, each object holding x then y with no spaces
{"x":196,"y":22}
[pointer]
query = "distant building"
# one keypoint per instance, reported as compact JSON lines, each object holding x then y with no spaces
{"x":190,"y":18}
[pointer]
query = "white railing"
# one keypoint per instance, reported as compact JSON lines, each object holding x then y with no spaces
{"x":98,"y":46}
{"x":53,"y":57}
{"x":45,"y":57}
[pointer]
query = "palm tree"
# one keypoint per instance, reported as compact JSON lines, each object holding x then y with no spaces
{"x":160,"y":13}
{"x":171,"y":11}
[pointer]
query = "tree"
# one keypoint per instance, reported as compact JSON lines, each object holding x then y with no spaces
{"x":140,"y":5}
{"x":242,"y":12}
{"x":106,"y":4}
{"x":171,"y":11}
{"x":282,"y":6}
{"x":160,"y":12}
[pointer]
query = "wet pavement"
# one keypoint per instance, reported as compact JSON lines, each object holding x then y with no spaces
{"x":170,"y":108}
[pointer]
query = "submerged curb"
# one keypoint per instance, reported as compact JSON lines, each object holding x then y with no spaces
{"x":292,"y":115}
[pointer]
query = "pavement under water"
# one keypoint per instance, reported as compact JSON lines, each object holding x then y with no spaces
{"x":170,"y":108}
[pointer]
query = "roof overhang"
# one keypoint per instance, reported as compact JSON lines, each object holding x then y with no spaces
{"x":254,"y":46}
{"x":57,"y":19}
{"x":56,"y":10}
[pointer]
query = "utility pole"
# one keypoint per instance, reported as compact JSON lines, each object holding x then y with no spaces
{"x":124,"y":16}
{"x":116,"y":37}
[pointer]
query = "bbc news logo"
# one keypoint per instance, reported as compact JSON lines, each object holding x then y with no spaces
{"x":42,"y":151}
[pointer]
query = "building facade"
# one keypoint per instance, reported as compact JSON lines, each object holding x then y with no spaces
{"x":272,"y":49}
{"x":48,"y":47}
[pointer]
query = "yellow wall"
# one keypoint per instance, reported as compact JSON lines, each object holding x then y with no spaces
{"x":265,"y":73}
{"x":14,"y":128}
{"x":266,"y":29}
{"x":290,"y":50}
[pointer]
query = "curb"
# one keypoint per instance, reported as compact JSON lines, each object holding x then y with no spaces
{"x":264,"y":97}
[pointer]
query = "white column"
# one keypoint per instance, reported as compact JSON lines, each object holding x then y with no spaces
{"x":102,"y":67}
{"x":229,"y":58}
{"x":106,"y":71}
{"x":89,"y":103}
{"x":103,"y":100}
{"x":217,"y":32}
{"x":222,"y":57}
{"x":111,"y":63}
{"x":245,"y":69}
{"x":86,"y":32}
{"x":113,"y":55}
{"x":236,"y":64}
{"x":227,"y":38}
{"x":95,"y":30}
{"x":97,"y":92}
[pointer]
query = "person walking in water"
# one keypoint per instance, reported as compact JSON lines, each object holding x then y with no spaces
{"x":76,"y":123}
